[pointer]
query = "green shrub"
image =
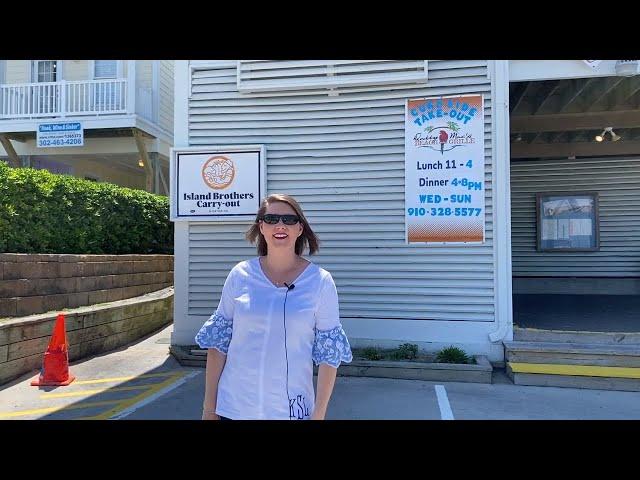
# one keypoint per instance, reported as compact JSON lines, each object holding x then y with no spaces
{"x":453,"y":355}
{"x":371,"y":353}
{"x":42,"y":212}
{"x":406,"y":351}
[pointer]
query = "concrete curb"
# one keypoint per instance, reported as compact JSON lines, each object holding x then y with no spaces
{"x":439,"y":372}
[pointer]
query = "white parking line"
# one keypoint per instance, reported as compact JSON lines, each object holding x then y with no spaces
{"x":153,"y":397}
{"x":443,"y":403}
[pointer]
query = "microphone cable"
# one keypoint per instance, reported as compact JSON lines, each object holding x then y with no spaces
{"x":286,"y":355}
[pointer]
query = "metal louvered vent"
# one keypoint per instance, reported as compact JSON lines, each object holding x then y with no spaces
{"x":280,"y":75}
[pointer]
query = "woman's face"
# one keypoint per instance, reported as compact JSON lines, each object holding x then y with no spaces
{"x":280,"y":236}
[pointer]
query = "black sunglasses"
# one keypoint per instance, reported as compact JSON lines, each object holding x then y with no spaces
{"x":273,"y":219}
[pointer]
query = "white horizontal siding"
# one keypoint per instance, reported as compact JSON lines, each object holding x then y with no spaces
{"x":75,"y":70}
{"x":342,"y":158}
{"x":146,"y":105}
{"x":166,"y":95}
{"x":17,"y":71}
{"x":144,"y":73}
{"x":617,"y":180}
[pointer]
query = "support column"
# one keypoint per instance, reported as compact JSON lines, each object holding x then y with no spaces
{"x":501,"y":201}
{"x":144,"y":156}
{"x":14,"y":160}
{"x":156,"y":178}
{"x":163,"y":181}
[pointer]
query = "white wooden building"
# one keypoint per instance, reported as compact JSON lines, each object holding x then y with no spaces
{"x":125,"y":108}
{"x":334,"y":135}
{"x":339,"y":150}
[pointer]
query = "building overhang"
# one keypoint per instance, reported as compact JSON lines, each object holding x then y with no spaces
{"x":112,"y":126}
{"x":535,"y":70}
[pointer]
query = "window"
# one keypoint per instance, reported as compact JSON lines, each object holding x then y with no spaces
{"x":45,"y":71}
{"x":568,"y":222}
{"x":108,"y":95}
{"x":105,"y":69}
{"x":45,"y":97}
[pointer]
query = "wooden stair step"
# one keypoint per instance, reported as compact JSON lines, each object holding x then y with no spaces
{"x":583,"y":348}
{"x":575,"y":370}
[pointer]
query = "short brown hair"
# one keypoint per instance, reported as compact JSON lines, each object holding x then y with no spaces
{"x":306,"y":239}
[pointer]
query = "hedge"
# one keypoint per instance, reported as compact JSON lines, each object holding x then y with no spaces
{"x":42,"y":212}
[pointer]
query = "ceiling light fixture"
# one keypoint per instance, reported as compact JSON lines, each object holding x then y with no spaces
{"x":614,"y":137}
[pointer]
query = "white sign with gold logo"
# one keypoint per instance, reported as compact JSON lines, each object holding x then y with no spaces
{"x":217,"y":183}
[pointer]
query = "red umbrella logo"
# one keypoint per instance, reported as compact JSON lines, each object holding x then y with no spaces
{"x":444,"y":136}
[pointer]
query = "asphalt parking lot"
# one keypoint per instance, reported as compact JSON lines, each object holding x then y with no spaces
{"x":143,"y":381}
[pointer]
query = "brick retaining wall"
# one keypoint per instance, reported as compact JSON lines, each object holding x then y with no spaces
{"x":37,"y":283}
{"x":90,"y":330}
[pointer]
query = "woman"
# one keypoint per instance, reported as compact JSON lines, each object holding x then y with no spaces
{"x":277,"y":315}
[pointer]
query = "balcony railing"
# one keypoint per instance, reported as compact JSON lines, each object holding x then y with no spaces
{"x":63,"y":99}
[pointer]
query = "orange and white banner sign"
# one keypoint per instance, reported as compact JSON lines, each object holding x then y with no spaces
{"x":444,"y":170}
{"x":217,"y":184}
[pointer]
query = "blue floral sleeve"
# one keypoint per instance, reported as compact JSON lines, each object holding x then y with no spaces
{"x":331,"y":347}
{"x":215,"y":333}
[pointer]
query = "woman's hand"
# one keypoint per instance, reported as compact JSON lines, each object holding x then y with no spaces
{"x":326,"y":379}
{"x":209,"y":415}
{"x":318,"y":414}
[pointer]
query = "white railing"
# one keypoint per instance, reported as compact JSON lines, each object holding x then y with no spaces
{"x":62,"y":99}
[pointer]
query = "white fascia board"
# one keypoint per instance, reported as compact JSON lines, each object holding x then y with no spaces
{"x":92,"y":146}
{"x":532,"y":70}
{"x":116,"y":121}
{"x":31,"y":125}
{"x":153,"y":129}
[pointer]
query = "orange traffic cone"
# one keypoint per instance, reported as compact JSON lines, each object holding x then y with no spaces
{"x":55,"y":365}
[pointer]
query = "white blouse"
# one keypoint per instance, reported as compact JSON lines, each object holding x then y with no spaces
{"x":270,"y":351}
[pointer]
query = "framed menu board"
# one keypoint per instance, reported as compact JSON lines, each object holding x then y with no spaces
{"x":568,"y":222}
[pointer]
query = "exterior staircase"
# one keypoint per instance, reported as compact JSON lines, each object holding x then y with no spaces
{"x":559,"y":358}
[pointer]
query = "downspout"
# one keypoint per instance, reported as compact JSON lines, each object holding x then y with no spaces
{"x":502,"y":201}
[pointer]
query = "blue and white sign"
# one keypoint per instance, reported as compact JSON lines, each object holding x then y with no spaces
{"x":60,"y":134}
